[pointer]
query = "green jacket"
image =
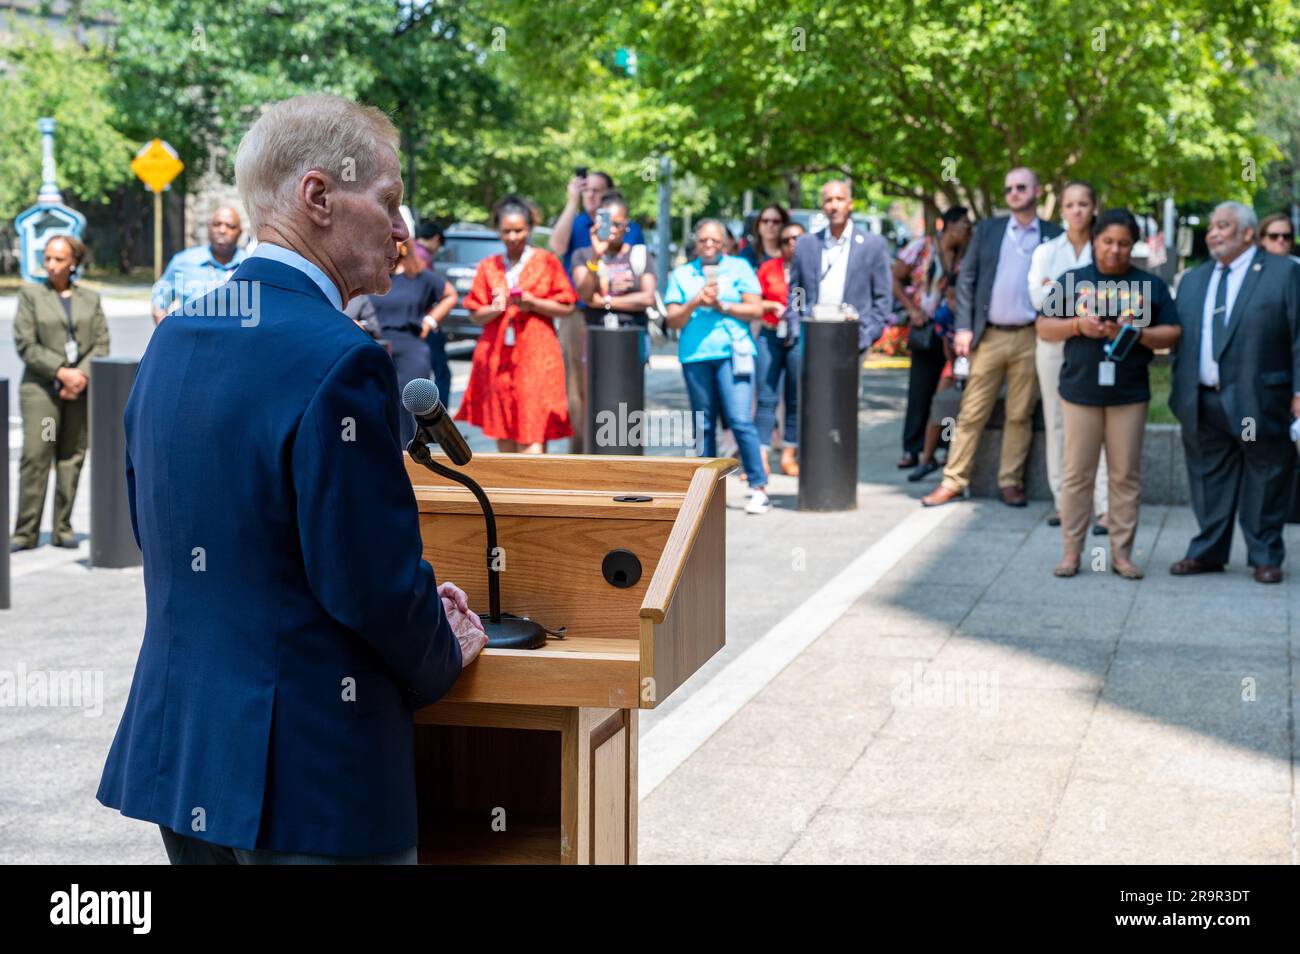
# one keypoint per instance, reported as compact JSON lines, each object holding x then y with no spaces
{"x":41,"y":331}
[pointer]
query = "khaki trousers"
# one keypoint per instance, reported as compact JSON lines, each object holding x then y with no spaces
{"x":1120,"y":429}
{"x":1049,"y":356}
{"x":1003,"y":353}
{"x":55,"y":432}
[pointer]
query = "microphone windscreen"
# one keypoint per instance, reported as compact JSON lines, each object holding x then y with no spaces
{"x":420,"y":396}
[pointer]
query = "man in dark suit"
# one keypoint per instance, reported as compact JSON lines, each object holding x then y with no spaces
{"x":292,"y":626}
{"x":1236,"y":380}
{"x":995,"y":331}
{"x":841,"y":265}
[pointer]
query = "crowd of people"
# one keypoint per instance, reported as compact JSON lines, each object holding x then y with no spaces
{"x":1015,"y":307}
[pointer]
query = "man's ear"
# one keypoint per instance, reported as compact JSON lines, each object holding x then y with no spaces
{"x":316,"y":192}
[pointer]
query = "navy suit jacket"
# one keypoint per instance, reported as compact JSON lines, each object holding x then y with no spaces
{"x":868,"y":285}
{"x":1259,"y":356}
{"x":292,"y":625}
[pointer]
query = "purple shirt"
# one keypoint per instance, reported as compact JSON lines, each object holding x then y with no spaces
{"x":1010,"y":304}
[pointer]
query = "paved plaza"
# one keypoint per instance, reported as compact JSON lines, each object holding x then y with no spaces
{"x":898,"y":685}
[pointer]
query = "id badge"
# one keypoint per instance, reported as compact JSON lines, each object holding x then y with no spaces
{"x":1106,"y":374}
{"x":611,"y":321}
{"x":510,"y":335}
{"x":782,"y":328}
{"x":72,"y":352}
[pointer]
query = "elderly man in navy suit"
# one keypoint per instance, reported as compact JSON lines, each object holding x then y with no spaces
{"x":1236,"y":390}
{"x":292,"y":625}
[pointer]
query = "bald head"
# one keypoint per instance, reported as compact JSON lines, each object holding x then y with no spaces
{"x":837,"y":204}
{"x":224,"y":229}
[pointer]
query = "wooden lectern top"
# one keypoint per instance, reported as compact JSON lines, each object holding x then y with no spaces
{"x":628,"y":644}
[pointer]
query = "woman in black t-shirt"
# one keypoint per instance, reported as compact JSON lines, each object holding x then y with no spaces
{"x":1104,"y":401}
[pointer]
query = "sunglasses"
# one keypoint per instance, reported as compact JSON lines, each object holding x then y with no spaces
{"x":1278,"y":236}
{"x":787,"y":239}
{"x":769,"y":221}
{"x":1018,"y":187}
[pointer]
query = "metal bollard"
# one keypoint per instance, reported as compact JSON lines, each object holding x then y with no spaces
{"x":4,"y":498}
{"x":615,"y":389}
{"x":112,"y":541}
{"x":828,"y":415}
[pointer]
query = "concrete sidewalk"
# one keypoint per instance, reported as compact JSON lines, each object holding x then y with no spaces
{"x":971,"y":707}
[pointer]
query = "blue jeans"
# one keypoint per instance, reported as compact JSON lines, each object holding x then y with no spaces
{"x":774,"y":360}
{"x":437,"y":342}
{"x":713,"y":389}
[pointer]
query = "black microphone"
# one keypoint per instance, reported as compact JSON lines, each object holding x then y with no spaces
{"x":433,"y":424}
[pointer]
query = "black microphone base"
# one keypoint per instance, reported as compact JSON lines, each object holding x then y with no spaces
{"x":514,"y":632}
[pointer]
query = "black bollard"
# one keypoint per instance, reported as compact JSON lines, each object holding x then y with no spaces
{"x":4,"y":498}
{"x":828,"y":415}
{"x":112,"y":542}
{"x":616,"y":421}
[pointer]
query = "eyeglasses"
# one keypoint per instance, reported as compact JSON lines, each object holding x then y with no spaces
{"x":1279,"y":236}
{"x":769,"y":221}
{"x":787,"y":239}
{"x":1018,"y":187}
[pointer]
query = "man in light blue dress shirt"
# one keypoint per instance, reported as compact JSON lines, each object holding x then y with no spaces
{"x":194,"y":272}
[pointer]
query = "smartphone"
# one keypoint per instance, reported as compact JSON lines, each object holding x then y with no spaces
{"x":1119,"y":348}
{"x":580,"y":172}
{"x":516,"y":293}
{"x":602,"y":224}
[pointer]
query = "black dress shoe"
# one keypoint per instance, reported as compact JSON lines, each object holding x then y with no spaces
{"x":1190,"y":566}
{"x":1054,"y":518}
{"x":922,"y":471}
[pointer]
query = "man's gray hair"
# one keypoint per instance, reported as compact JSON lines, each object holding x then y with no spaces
{"x":341,"y":138}
{"x":1244,"y":214}
{"x":844,"y":182}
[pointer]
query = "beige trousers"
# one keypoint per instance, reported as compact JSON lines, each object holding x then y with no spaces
{"x":1048,"y":358}
{"x":1120,"y":429}
{"x":1002,"y":354}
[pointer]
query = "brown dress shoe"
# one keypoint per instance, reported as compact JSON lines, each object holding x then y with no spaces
{"x":940,"y":496}
{"x":1013,"y":496}
{"x":1190,"y":566}
{"x":1268,"y":574}
{"x":907,"y":462}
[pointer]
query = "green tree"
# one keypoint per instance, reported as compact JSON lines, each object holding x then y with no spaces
{"x":41,"y":77}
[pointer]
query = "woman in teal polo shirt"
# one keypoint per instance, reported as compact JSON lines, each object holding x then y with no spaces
{"x":712,"y":299}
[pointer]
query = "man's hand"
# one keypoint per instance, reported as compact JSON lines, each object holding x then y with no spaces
{"x":574,"y":192}
{"x":708,"y":297}
{"x":464,"y":622}
{"x":961,"y":343}
{"x":1295,"y":406}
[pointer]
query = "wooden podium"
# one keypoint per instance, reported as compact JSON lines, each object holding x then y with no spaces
{"x":532,"y":756}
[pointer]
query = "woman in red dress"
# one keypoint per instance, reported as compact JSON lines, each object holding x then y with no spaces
{"x":516,"y":388}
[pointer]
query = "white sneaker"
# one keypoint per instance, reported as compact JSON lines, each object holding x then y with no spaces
{"x":759,"y":502}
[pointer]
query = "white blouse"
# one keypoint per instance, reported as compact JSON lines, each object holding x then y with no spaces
{"x":1051,"y":260}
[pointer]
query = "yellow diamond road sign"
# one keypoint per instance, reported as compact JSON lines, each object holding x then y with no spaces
{"x":156,"y":165}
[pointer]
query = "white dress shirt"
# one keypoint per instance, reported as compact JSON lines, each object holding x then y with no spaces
{"x":287,"y":256}
{"x":1051,"y":260}
{"x":835,"y":266}
{"x":1237,"y":268}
